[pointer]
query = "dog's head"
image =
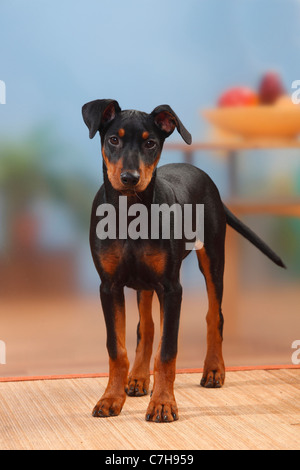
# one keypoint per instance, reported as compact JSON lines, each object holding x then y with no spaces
{"x":132,"y":141}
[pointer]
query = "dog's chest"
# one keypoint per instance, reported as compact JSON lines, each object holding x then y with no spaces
{"x":134,"y":265}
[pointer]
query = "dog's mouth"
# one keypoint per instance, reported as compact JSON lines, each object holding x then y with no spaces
{"x":132,"y":191}
{"x":128,"y":192}
{"x":133,"y":182}
{"x":129,"y":182}
{"x":132,"y":195}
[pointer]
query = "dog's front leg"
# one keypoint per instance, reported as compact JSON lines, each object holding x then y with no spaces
{"x":113,"y":304}
{"x":163,"y":407}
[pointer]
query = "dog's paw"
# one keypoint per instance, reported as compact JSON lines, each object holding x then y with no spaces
{"x":108,"y":406}
{"x":137,"y":387}
{"x":162,"y":410}
{"x":213,"y":378}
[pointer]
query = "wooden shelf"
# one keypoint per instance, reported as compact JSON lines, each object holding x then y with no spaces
{"x":283,"y":207}
{"x":233,"y":145}
{"x":286,"y":208}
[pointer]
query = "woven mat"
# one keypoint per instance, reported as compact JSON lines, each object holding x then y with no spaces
{"x":257,"y":409}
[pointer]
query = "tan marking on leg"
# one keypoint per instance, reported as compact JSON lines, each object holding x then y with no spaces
{"x":214,"y":368}
{"x":113,"y":399}
{"x":139,"y":378}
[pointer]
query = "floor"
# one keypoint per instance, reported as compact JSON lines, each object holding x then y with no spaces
{"x":256,"y":410}
{"x":46,"y":336}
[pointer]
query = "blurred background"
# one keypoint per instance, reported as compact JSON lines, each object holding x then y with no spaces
{"x":56,"y":56}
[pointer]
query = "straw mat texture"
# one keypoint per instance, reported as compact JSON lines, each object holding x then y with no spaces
{"x":256,"y":409}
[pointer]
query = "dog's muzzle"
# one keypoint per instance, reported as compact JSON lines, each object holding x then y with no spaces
{"x":130,"y":178}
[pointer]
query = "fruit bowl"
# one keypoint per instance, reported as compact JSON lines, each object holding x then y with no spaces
{"x":257,"y":121}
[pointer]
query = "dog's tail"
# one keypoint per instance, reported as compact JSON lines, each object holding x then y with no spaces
{"x":246,"y":232}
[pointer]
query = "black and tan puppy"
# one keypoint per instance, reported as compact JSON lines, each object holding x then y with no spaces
{"x":132,"y":143}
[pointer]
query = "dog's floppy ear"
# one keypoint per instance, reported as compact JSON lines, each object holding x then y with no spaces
{"x":97,"y":114}
{"x":167,"y":120}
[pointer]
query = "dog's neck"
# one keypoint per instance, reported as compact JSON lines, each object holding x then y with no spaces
{"x":112,"y":195}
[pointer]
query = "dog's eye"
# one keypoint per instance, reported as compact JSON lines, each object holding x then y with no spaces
{"x":150,"y":144}
{"x":114,"y":140}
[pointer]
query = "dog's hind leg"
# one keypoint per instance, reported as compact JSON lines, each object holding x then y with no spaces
{"x":211,"y":263}
{"x":139,"y":377}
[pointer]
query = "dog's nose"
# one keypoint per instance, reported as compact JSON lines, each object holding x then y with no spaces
{"x":130,"y":178}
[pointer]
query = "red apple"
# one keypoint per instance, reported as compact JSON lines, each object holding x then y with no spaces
{"x":271,"y":88}
{"x":238,"y":96}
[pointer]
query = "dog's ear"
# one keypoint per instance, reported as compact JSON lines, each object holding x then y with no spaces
{"x":97,"y":114}
{"x":167,"y":120}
